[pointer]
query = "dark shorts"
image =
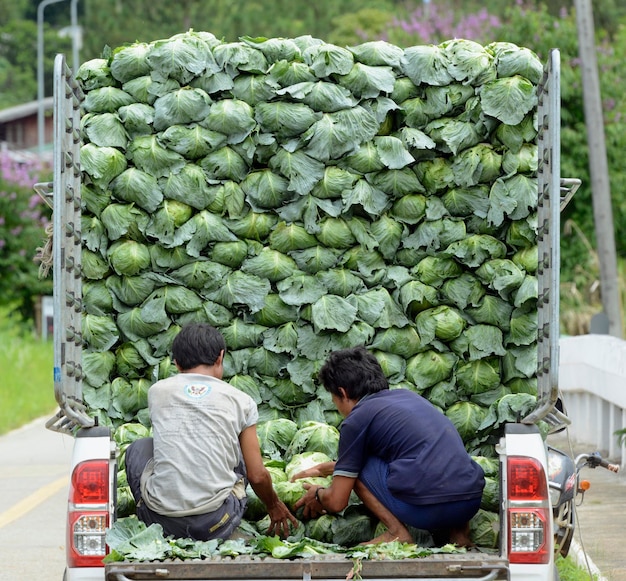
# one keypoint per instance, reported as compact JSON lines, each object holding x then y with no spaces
{"x":219,"y":524}
{"x":428,"y":517}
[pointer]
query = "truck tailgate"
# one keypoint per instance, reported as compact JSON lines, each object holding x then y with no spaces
{"x":444,"y":566}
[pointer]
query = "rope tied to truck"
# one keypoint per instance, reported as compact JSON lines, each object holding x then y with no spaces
{"x":44,"y":253}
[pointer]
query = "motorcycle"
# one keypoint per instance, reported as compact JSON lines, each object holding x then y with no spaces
{"x":565,"y":484}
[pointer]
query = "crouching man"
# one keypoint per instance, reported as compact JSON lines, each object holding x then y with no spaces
{"x":402,"y":456}
{"x":191,"y":477}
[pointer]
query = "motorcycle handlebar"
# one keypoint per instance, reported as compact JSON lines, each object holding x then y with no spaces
{"x":594,"y":460}
{"x":611,"y":467}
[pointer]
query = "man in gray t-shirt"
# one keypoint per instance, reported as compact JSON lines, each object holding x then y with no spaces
{"x":191,"y":477}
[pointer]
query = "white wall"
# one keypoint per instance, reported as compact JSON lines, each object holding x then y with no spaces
{"x":592,"y":379}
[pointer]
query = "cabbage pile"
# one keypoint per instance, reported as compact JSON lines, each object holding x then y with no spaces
{"x":304,"y":197}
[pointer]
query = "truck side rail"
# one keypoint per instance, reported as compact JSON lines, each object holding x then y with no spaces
{"x":554,"y":193}
{"x":66,"y":253}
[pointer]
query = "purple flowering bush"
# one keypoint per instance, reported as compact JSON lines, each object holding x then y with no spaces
{"x":23,"y":219}
{"x":431,"y":23}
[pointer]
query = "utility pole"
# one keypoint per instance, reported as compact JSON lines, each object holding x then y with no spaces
{"x":598,"y":168}
{"x":76,"y":35}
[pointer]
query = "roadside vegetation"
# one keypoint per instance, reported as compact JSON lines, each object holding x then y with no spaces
{"x":26,"y":382}
{"x":569,"y":570}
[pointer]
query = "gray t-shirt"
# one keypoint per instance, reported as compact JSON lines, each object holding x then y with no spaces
{"x":196,"y":421}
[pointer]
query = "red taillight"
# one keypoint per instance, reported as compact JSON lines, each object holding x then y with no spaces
{"x":90,"y":482}
{"x":88,"y":516}
{"x":528,"y":511}
{"x":526,"y":479}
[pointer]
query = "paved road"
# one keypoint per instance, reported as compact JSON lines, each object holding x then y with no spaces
{"x":33,"y":499}
{"x":601,"y":518}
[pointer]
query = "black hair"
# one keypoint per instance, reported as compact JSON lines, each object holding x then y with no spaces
{"x":197,"y":344}
{"x":356,"y":370}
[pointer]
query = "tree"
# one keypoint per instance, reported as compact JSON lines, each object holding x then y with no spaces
{"x":18,"y":80}
{"x":18,"y":60}
{"x":116,"y":22}
{"x":13,"y":9}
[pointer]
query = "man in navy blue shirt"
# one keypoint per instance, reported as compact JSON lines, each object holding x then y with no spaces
{"x":403,"y":457}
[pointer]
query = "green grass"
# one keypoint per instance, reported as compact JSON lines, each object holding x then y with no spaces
{"x":26,"y":380}
{"x":569,"y":570}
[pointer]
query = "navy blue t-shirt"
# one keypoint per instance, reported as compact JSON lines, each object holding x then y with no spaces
{"x":427,"y":460}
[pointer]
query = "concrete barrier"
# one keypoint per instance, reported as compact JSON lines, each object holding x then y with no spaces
{"x":592,"y":379}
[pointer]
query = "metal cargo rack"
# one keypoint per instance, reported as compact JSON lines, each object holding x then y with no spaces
{"x":63,"y":195}
{"x":554,"y":193}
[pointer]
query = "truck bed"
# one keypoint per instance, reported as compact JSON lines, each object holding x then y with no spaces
{"x":471,"y":565}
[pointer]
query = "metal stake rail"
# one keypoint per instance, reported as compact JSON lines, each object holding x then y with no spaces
{"x":554,"y":194}
{"x":66,"y":252}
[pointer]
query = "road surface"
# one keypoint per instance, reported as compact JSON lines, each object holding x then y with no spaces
{"x":601,"y":518}
{"x":34,"y":482}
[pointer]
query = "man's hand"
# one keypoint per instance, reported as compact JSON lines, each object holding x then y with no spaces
{"x":308,"y":473}
{"x":280,"y":517}
{"x":312,"y":506}
{"x":319,"y":470}
{"x":261,"y":482}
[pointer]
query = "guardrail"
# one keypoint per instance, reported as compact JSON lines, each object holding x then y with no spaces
{"x":592,"y":379}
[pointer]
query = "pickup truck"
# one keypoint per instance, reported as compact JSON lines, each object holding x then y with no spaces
{"x":526,"y":546}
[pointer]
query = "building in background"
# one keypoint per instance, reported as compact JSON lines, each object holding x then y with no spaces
{"x":18,"y":126}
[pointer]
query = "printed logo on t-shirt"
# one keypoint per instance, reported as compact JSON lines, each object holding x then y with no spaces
{"x":197,"y":390}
